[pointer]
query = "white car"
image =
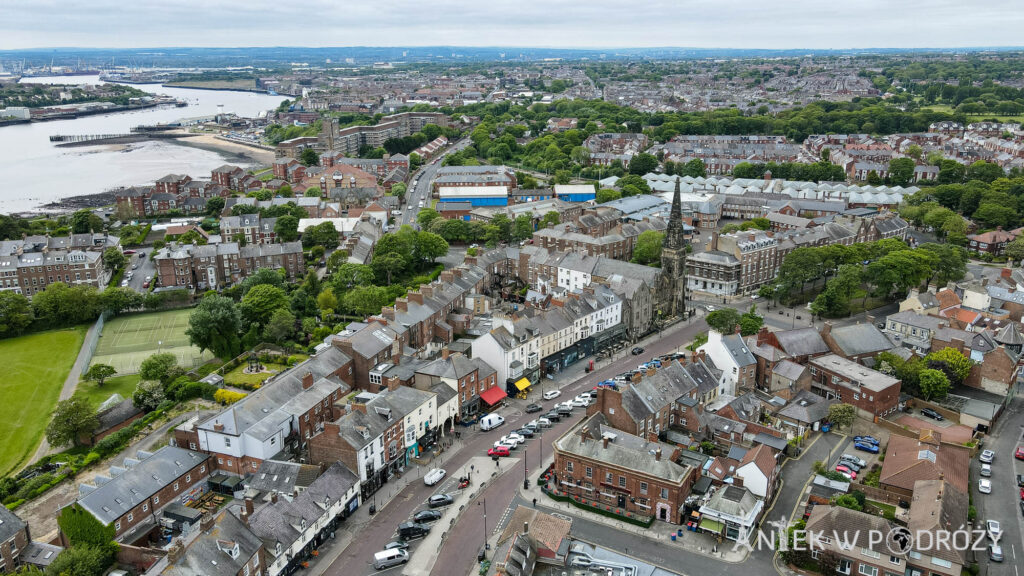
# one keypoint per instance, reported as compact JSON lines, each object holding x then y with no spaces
{"x":993,"y":529}
{"x":985,"y":486}
{"x":582,"y":401}
{"x":987,"y":456}
{"x":568,"y":405}
{"x":124,"y":283}
{"x":539,"y":423}
{"x":552,"y":394}
{"x":434,"y":476}
{"x":986,"y":470}
{"x":512,"y":440}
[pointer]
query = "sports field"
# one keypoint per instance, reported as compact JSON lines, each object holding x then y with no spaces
{"x":128,"y":340}
{"x":35,"y":367}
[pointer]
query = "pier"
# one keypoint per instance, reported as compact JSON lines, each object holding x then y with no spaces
{"x":100,"y":139}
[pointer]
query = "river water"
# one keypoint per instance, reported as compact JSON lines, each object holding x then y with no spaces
{"x":34,"y":172}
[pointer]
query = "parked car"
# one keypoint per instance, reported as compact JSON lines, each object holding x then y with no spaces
{"x":851,"y":458}
{"x":1019,"y":454}
{"x":637,"y":350}
{"x":867,"y":439}
{"x":851,"y":465}
{"x":932,"y":414}
{"x":551,"y":394}
{"x":434,"y":476}
{"x":565,"y":410}
{"x":847,"y":471}
{"x":582,"y":401}
{"x":525,"y":432}
{"x":410,"y":530}
{"x":511,"y":439}
{"x":986,"y":470}
{"x":985,"y":486}
{"x":389,"y":558}
{"x":491,"y":421}
{"x":845,"y":475}
{"x":866,"y":447}
{"x":543,"y":422}
{"x":1022,"y":507}
{"x":1020,"y":479}
{"x":124,"y":283}
{"x":424,"y":516}
{"x":993,"y":529}
{"x":531,"y":408}
{"x":438,"y":500}
{"x":396,"y":545}
{"x":553,"y":416}
{"x":499,"y":450}
{"x":995,"y":552}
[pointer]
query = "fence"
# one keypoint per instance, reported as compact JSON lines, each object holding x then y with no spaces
{"x":92,"y":339}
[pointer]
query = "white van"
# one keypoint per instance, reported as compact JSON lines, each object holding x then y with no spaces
{"x":388,"y":558}
{"x":490,"y":422}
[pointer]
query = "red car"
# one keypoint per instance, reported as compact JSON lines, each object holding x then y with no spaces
{"x":1019,"y":454}
{"x":499,"y":451}
{"x":1022,"y":493}
{"x":846,"y":470}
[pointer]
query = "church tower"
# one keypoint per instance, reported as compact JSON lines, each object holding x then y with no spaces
{"x":672,"y":288}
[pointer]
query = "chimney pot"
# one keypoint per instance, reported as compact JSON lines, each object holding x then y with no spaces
{"x":307,"y":380}
{"x":657,"y":455}
{"x":604,"y":442}
{"x":526,"y":527}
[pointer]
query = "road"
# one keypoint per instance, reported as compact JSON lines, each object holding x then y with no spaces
{"x":145,"y":268}
{"x":1003,"y":503}
{"x":423,"y":178}
{"x":455,"y":557}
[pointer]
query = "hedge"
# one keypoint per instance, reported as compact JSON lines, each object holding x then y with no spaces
{"x":607,"y":511}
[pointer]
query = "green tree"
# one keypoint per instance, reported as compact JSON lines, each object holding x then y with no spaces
{"x":956,"y":366}
{"x":84,"y":221}
{"x":951,"y":172}
{"x":350,"y":274}
{"x":901,"y":171}
{"x":309,"y":157}
{"x":386,"y":266}
{"x":430,"y":246}
{"x":1014,"y":250}
{"x":83,"y":560}
{"x":694,"y":168}
{"x":82,"y":528}
{"x":326,"y":300}
{"x":750,"y":322}
{"x":158,"y":366}
{"x":287,"y":227}
{"x":914,"y":151}
{"x":563,"y":176}
{"x":323,"y":234}
{"x":63,"y":305}
{"x":262,"y":276}
{"x":848,"y":501}
{"x":398,"y":189}
{"x":214,"y":206}
{"x":522,"y":228}
{"x":934,"y":384}
{"x":607,"y":195}
{"x":550,"y":219}
{"x":723,"y":320}
{"x":280,"y":327}
{"x":648,"y":247}
{"x":426,"y":216}
{"x":874,"y":179}
{"x":365,"y":300}
{"x":15,"y":313}
{"x":260,"y":303}
{"x":99,"y":373}
{"x":113,"y":259}
{"x":72,"y":418}
{"x":991,"y":215}
{"x":148,"y":395}
{"x":984,"y":171}
{"x":842,"y":415}
{"x":313,"y":192}
{"x":643,"y":163}
{"x":214,"y":325}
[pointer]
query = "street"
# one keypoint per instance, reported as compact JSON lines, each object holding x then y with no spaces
{"x":456,"y":557}
{"x":421,"y":192}
{"x":145,"y":269}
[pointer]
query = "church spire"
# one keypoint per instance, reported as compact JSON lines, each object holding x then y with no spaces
{"x":674,"y":233}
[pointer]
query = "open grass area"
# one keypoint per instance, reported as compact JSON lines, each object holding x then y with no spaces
{"x":96,"y":395}
{"x":35,"y":367}
{"x":238,"y":377}
{"x":973,"y":117}
{"x":128,"y":340}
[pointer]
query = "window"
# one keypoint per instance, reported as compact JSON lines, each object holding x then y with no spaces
{"x":843,"y":566}
{"x":856,"y":396}
{"x":175,"y":486}
{"x":156,"y":500}
{"x":202,"y":468}
{"x":568,"y":466}
{"x":941,"y":562}
{"x":227,"y":442}
{"x":145,"y":507}
{"x":664,"y":493}
{"x":869,"y":553}
{"x":814,"y":553}
{"x":894,"y":560}
{"x":131,"y":517}
{"x":191,"y":445}
{"x":643,"y":487}
{"x":868,"y":570}
{"x":220,"y":460}
{"x":622,"y":481}
{"x":117,"y":525}
{"x":590,"y":472}
{"x":188,"y":478}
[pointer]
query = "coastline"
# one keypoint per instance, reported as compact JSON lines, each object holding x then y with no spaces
{"x":232,"y":151}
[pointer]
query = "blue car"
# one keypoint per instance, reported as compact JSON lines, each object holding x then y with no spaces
{"x":866,"y":446}
{"x":867,"y":439}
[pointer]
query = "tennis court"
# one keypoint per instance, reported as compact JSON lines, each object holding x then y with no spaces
{"x":128,"y":340}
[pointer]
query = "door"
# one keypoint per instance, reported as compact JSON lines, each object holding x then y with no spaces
{"x":663,"y":514}
{"x":622,"y":501}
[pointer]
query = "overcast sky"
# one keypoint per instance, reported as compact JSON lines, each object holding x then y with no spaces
{"x":549,"y":23}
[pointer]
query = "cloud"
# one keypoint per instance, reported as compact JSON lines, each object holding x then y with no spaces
{"x":550,"y":23}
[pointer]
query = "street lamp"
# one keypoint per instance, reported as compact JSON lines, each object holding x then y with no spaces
{"x":526,"y":471}
{"x":484,"y":502}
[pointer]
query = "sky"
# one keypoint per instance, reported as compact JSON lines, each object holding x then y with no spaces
{"x":770,"y":24}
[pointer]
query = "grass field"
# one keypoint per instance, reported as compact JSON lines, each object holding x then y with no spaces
{"x":35,"y":367}
{"x":96,"y":395}
{"x":973,"y":117}
{"x":128,"y":340}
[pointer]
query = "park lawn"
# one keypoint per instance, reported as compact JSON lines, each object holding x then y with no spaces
{"x":238,"y":377}
{"x":35,"y":367}
{"x":980,"y":117}
{"x":96,"y":395}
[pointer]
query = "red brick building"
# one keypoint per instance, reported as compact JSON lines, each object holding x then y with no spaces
{"x":14,"y":537}
{"x":873,"y":393}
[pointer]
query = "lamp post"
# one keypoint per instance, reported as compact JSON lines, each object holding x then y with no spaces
{"x":526,"y":471}
{"x":484,"y":502}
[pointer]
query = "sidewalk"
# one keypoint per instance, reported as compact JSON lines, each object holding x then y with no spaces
{"x":659,"y":531}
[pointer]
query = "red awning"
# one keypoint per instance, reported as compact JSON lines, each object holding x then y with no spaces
{"x":493,"y":395}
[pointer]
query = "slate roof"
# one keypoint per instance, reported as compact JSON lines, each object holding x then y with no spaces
{"x":802,"y":342}
{"x":938,"y":506}
{"x":857,"y":339}
{"x":789,"y":370}
{"x":10,"y":524}
{"x":852,"y":526}
{"x":282,"y":477}
{"x":732,"y":500}
{"x":737,"y":348}
{"x":624,"y":452}
{"x":856,"y":374}
{"x":1010,"y":335}
{"x":110,"y":500}
{"x":763,"y":457}
{"x":905,"y":463}
{"x":207,"y":555}
{"x":806,"y":407}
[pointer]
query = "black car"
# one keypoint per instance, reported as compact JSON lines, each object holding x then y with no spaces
{"x":396,"y":544}
{"x":531,"y":408}
{"x":1020,"y":481}
{"x":527,"y":432}
{"x":426,"y":516}
{"x":438,"y":500}
{"x":553,"y":415}
{"x":637,"y":350}
{"x":932,"y":414}
{"x":1022,"y":507}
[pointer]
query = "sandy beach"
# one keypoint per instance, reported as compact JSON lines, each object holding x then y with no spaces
{"x":234,"y":151}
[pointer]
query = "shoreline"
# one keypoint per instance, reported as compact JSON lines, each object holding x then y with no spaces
{"x":232,"y":151}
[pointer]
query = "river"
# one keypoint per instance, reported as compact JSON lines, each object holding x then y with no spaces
{"x":35,"y":172}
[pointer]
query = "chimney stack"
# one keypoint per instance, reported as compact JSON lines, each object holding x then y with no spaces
{"x":657,"y":455}
{"x":273,"y":497}
{"x":526,"y":527}
{"x":604,"y":442}
{"x":445,"y":352}
{"x":206,"y":521}
{"x":307,"y":380}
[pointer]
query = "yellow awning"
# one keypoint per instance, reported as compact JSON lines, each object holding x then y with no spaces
{"x":522,"y":384}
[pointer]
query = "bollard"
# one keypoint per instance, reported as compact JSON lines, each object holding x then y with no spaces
{"x":673,"y":536}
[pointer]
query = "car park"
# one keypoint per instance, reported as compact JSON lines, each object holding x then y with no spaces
{"x":986,"y":470}
{"x":866,"y":447}
{"x":438,"y":500}
{"x":637,"y":350}
{"x":531,"y":408}
{"x":434,"y":476}
{"x":932,"y":414}
{"x":499,"y":450}
{"x":424,"y":516}
{"x":851,"y":458}
{"x":552,"y":394}
{"x":985,"y":486}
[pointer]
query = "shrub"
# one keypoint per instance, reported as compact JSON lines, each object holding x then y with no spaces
{"x":227,"y":397}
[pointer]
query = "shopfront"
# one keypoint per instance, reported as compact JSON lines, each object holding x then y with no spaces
{"x":492,"y":398}
{"x":568,"y":356}
{"x":517,"y":388}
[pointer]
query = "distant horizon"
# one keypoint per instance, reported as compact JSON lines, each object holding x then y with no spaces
{"x":565,"y":24}
{"x":868,"y":49}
